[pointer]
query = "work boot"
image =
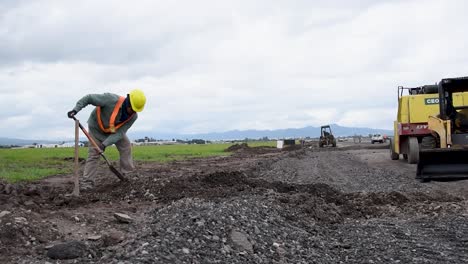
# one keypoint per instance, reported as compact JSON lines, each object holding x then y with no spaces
{"x":133,"y":175}
{"x":86,"y":184}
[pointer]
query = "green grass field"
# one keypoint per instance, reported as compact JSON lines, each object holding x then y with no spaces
{"x":32,"y":164}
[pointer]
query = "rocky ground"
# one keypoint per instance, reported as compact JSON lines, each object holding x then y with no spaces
{"x":351,"y":204}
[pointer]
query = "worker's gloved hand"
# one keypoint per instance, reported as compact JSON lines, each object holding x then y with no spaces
{"x":102,"y":147}
{"x":71,"y":114}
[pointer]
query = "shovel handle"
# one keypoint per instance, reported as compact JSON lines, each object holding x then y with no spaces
{"x":90,"y":138}
{"x":95,"y":145}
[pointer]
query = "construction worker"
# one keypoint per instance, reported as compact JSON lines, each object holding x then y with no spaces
{"x":108,"y":125}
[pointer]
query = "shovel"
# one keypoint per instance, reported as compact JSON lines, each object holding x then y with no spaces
{"x":95,"y":145}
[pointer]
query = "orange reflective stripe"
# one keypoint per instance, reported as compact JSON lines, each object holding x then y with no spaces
{"x":114,"y":114}
{"x":98,"y":114}
{"x":124,"y":122}
{"x":112,"y":128}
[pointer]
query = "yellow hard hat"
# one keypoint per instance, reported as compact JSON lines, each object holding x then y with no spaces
{"x":137,"y":100}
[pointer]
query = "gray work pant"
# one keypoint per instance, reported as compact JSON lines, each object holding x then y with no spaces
{"x":126,"y":161}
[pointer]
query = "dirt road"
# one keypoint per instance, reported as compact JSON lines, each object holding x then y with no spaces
{"x":261,"y":205}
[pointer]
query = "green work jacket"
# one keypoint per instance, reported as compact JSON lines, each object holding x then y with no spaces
{"x":107,"y":102}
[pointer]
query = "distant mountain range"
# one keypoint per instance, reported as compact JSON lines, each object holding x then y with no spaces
{"x":309,"y":131}
{"x":22,"y":142}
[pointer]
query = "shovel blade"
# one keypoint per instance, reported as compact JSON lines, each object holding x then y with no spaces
{"x":113,"y":169}
{"x":442,"y":164}
{"x":117,"y":173}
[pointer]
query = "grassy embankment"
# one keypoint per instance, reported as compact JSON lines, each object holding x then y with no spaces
{"x":32,"y":164}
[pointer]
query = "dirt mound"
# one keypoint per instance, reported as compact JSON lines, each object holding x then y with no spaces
{"x":237,"y":147}
{"x":229,"y":179}
{"x":244,"y":148}
{"x":291,"y":147}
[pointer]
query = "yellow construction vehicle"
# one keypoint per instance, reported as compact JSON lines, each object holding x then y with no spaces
{"x":326,"y":137}
{"x":415,"y":105}
{"x":444,"y":152}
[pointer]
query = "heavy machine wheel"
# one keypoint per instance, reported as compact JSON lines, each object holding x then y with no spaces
{"x":405,"y":156}
{"x":320,"y":144}
{"x":393,"y":154}
{"x":413,"y":150}
{"x":428,"y":142}
{"x":334,"y":143}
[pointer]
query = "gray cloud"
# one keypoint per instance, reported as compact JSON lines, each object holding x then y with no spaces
{"x":220,"y":65}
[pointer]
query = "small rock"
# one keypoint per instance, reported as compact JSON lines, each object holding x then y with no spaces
{"x":257,"y":230}
{"x":8,"y":189}
{"x":186,"y":251}
{"x":3,"y":213}
{"x":281,"y":251}
{"x":346,"y":246}
{"x":69,"y":250}
{"x":49,"y":246}
{"x":227,"y":249}
{"x":21,"y":220}
{"x":241,"y":240}
{"x":123,"y":218}
{"x":29,"y":203}
{"x":94,"y":238}
{"x":32,"y":191}
{"x":113,"y":238}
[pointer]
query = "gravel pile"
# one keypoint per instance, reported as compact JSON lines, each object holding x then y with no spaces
{"x":277,"y":228}
{"x":249,"y":229}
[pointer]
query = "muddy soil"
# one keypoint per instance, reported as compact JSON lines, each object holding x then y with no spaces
{"x":350,"y":204}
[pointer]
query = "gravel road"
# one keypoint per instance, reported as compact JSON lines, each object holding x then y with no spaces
{"x":261,"y":205}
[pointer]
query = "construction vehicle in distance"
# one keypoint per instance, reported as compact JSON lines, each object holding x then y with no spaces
{"x":444,"y":152}
{"x":410,"y":127}
{"x":326,"y":137}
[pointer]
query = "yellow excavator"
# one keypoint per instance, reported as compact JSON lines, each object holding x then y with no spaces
{"x":444,"y":152}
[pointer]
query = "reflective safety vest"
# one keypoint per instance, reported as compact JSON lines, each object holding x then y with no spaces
{"x":112,"y":127}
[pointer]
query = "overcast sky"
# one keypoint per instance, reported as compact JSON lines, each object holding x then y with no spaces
{"x":218,"y":65}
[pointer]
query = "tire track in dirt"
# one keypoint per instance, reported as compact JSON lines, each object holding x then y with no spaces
{"x":357,"y":170}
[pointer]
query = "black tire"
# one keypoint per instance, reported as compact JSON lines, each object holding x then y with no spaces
{"x":393,"y":154}
{"x":372,"y":141}
{"x":413,"y":150}
{"x":405,"y":156}
{"x":428,"y":142}
{"x":320,"y":144}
